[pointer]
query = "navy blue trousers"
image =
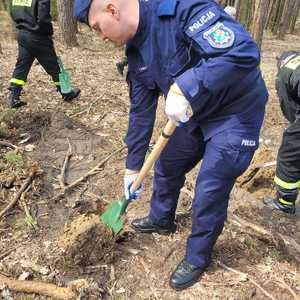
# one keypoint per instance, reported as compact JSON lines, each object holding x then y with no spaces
{"x":224,"y":157}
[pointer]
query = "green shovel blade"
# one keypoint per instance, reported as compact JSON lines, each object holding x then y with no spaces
{"x":112,"y":217}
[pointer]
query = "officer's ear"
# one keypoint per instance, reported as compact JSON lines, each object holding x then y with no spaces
{"x":113,"y":11}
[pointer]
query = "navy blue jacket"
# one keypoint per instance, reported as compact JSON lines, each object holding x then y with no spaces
{"x":208,"y":54}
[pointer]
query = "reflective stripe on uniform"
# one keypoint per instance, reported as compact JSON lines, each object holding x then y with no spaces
{"x":27,"y":3}
{"x":282,"y":201}
{"x":286,"y":185}
{"x":17,"y":81}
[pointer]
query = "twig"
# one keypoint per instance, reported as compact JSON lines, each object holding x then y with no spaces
{"x":20,"y":192}
{"x":93,"y":171}
{"x":29,"y":219}
{"x":8,"y":144}
{"x":282,"y":284}
{"x":6,"y":252}
{"x":90,"y":107}
{"x":61,"y":177}
{"x":79,"y":113}
{"x":250,"y":279}
{"x":38,"y":287}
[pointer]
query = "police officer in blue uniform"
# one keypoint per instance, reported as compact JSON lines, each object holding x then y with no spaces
{"x":207,"y":67}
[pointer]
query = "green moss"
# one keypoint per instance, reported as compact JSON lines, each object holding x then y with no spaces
{"x":14,"y":159}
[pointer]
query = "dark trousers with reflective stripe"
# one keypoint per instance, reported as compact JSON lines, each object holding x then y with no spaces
{"x":32,"y":46}
{"x":288,"y":163}
{"x":223,"y":160}
{"x":287,"y":177}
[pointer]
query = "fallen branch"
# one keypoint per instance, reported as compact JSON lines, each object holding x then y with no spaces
{"x":288,"y":241}
{"x":62,"y":176}
{"x":8,"y":144}
{"x":283,"y":285}
{"x":20,"y":192}
{"x":6,"y":252}
{"x":38,"y":287}
{"x":93,"y":171}
{"x":250,"y":279}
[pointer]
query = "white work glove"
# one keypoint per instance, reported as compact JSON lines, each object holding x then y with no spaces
{"x":129,"y":177}
{"x":177,"y":105}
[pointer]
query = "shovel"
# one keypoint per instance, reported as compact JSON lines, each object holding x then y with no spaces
{"x":64,"y":78}
{"x":112,"y":217}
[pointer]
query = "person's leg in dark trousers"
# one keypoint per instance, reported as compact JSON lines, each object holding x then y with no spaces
{"x":180,"y":155}
{"x":21,"y":71}
{"x":46,"y":56}
{"x":225,"y":158}
{"x":287,"y":178}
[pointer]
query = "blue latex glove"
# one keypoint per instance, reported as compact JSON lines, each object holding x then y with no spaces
{"x":128,"y":181}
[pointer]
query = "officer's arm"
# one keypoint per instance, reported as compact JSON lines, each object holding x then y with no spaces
{"x":143,"y":104}
{"x":43,"y":12}
{"x":229,"y":56}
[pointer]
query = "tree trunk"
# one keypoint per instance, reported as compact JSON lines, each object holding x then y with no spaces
{"x":259,"y":20}
{"x":67,"y":22}
{"x":277,"y":15}
{"x":294,"y":16}
{"x":237,"y":6}
{"x":285,"y":18}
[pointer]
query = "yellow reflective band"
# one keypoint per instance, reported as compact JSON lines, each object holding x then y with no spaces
{"x":57,"y":83}
{"x":17,"y":81}
{"x":282,"y":201}
{"x":287,"y":185}
{"x":22,"y":3}
{"x":293,"y":63}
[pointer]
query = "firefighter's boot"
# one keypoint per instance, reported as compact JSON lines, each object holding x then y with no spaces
{"x":280,"y":204}
{"x":14,"y":100}
{"x":68,"y":97}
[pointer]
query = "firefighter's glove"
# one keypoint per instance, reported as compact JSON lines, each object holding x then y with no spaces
{"x":129,"y":177}
{"x":177,"y":106}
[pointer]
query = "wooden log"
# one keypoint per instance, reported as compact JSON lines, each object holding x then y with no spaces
{"x":38,"y":287}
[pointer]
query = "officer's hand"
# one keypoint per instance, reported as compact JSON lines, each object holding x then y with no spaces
{"x":177,"y":105}
{"x":129,"y":177}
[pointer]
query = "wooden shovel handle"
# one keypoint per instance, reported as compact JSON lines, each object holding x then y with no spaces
{"x":154,"y":155}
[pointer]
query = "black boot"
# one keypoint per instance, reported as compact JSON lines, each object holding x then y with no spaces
{"x":14,"y":100}
{"x":185,"y":275}
{"x":280,"y":204}
{"x":145,"y":225}
{"x":71,"y":95}
{"x":121,"y":65}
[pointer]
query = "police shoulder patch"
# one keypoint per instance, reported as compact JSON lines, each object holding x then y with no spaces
{"x":219,"y":36}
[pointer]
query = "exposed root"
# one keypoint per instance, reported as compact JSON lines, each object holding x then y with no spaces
{"x":248,"y":277}
{"x":93,"y":171}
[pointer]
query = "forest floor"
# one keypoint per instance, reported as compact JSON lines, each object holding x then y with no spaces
{"x":256,"y":257}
